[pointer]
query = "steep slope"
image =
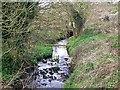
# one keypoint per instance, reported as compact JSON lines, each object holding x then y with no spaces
{"x":95,"y":52}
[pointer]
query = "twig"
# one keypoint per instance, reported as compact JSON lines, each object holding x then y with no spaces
{"x":28,"y":79}
{"x":13,"y":78}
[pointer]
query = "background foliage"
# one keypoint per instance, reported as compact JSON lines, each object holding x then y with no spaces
{"x":16,"y":20}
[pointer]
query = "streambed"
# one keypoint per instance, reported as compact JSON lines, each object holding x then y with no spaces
{"x":53,"y":72}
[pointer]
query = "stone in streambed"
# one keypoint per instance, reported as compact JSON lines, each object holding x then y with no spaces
{"x":53,"y":77}
{"x":44,"y":82}
{"x":66,"y":58}
{"x":54,"y":63}
{"x":51,"y":73}
{"x":43,"y":72}
{"x":55,"y":69}
{"x":48,"y":75}
{"x":44,"y":61}
{"x":50,"y":63}
{"x":44,"y":77}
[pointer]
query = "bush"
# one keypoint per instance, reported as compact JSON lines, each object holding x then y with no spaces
{"x":8,"y":67}
{"x":16,"y":18}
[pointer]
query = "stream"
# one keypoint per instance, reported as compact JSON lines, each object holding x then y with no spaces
{"x":54,"y":71}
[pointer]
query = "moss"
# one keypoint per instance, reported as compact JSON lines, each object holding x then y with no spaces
{"x":42,"y":51}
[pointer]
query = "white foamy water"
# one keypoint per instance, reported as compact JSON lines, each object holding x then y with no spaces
{"x":60,"y":51}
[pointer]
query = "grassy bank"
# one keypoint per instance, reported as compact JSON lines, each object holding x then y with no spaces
{"x":42,"y":51}
{"x":95,"y":53}
{"x":95,"y":61}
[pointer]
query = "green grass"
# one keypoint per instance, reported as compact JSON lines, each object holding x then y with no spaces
{"x":111,"y":81}
{"x":74,"y":43}
{"x":42,"y":51}
{"x":80,"y":78}
{"x":101,"y":62}
{"x":109,"y":56}
{"x":89,"y":67}
{"x":115,"y":43}
{"x":72,"y":82}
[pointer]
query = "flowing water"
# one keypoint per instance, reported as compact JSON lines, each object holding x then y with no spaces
{"x":53,"y":72}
